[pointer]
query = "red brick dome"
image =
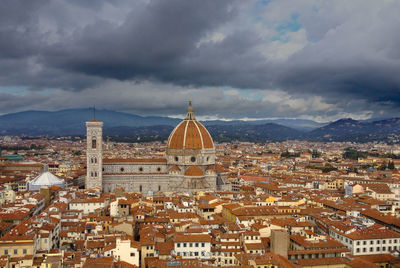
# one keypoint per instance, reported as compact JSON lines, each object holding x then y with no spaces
{"x":190,"y":134}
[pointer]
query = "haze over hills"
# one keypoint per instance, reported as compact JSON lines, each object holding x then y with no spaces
{"x":72,"y":122}
{"x":360,"y":131}
{"x":132,"y":127}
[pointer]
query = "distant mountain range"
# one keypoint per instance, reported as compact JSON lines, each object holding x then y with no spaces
{"x":130,"y":127}
{"x":359,"y":131}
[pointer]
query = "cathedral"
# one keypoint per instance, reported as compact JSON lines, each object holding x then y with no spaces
{"x":188,"y":166}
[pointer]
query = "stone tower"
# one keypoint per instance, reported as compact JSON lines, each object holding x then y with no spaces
{"x":94,"y":154}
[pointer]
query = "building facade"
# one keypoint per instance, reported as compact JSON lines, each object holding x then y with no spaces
{"x":189,"y":163}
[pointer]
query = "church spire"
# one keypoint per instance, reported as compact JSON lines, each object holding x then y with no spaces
{"x":190,"y":112}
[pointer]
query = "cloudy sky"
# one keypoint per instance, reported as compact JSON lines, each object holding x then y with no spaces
{"x":314,"y":59}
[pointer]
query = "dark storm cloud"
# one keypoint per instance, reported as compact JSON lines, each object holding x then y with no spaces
{"x":348,"y":61}
{"x":153,"y":41}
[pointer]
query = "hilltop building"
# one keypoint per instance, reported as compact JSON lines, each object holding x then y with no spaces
{"x":189,"y":164}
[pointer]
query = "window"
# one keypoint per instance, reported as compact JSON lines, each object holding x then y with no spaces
{"x":357,"y":250}
{"x":383,"y":248}
{"x":371,"y":249}
{"x":371,"y":242}
{"x":94,"y":143}
{"x":378,"y":248}
{"x":364,"y":250}
{"x":140,"y":169}
{"x":358,"y":243}
{"x":203,"y":245}
{"x":140,"y":188}
{"x":159,"y":169}
{"x":364,"y":242}
{"x":184,"y":245}
{"x":15,"y":251}
{"x":176,"y":159}
{"x":197,"y":245}
{"x":383,"y":241}
{"x":190,"y":244}
{"x":193,"y":159}
{"x":6,"y":252}
{"x":159,"y":187}
{"x":132,"y":254}
{"x":24,"y":251}
{"x":196,"y":254}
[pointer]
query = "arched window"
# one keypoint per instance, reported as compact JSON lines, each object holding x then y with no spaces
{"x":159,"y":187}
{"x":94,"y":143}
{"x":140,"y":188}
{"x":95,"y":173}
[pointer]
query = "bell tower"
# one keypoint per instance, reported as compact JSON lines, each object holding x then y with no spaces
{"x":94,"y":154}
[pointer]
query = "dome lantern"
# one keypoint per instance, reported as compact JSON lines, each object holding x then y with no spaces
{"x":190,"y":112}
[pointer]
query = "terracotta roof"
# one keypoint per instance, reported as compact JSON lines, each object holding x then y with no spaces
{"x":373,"y":232}
{"x":190,"y":134}
{"x":194,"y":171}
{"x":175,"y":168}
{"x":361,"y":263}
{"x":192,"y":238}
{"x":322,"y":261}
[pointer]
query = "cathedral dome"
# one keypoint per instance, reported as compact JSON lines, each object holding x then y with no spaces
{"x":190,"y":134}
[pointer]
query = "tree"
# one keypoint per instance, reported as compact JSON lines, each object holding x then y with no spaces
{"x":391,"y":165}
{"x":383,"y":166}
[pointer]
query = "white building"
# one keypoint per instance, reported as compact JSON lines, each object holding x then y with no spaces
{"x":88,"y":205}
{"x":193,"y":246}
{"x":45,"y":179}
{"x":368,"y":240}
{"x":124,"y":250}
